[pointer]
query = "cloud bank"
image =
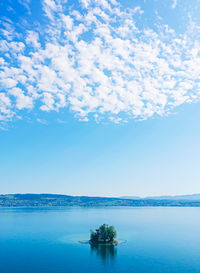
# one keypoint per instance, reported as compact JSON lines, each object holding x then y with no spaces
{"x":97,"y":61}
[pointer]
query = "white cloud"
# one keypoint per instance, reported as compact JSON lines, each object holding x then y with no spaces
{"x":100,"y":65}
{"x":50,"y":7}
{"x":22,"y":101}
{"x":8,"y":83}
{"x":174,"y":4}
{"x":42,"y":121}
{"x":85,"y":3}
{"x":48,"y":101}
{"x":32,"y":39}
{"x":5,"y":105}
{"x":26,"y":4}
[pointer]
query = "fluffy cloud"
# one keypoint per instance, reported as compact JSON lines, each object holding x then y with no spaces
{"x":100,"y":64}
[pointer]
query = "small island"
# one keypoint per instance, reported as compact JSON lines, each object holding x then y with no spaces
{"x":104,"y":235}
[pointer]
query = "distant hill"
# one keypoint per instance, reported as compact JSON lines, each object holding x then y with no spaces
{"x":190,"y":197}
{"x":130,"y":197}
{"x":50,"y":200}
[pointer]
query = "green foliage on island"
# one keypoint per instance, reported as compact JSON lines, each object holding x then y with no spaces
{"x":103,"y":235}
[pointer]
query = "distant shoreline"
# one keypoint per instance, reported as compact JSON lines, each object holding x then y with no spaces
{"x":57,"y":200}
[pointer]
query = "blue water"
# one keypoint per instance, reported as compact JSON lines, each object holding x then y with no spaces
{"x":46,"y":240}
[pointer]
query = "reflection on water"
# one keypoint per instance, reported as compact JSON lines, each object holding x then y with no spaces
{"x":105,"y":252}
{"x":46,"y":241}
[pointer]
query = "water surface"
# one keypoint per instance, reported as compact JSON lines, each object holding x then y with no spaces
{"x":47,"y":240}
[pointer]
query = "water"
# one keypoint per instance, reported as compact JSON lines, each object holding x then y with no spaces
{"x":46,"y":240}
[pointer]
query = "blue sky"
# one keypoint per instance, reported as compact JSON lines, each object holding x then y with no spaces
{"x":100,"y":97}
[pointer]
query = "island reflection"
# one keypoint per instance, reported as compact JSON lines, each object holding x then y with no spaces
{"x":105,"y":252}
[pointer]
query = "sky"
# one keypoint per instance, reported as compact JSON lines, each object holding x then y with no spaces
{"x":100,"y":97}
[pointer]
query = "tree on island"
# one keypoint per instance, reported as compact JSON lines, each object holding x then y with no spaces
{"x":103,"y":235}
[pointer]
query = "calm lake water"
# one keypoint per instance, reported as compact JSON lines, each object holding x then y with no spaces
{"x":45,"y":240}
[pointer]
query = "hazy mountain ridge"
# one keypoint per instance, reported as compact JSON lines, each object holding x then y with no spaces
{"x":49,"y":200}
{"x":166,"y":197}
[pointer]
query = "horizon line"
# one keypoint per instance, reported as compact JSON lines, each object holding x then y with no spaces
{"x":121,"y":196}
